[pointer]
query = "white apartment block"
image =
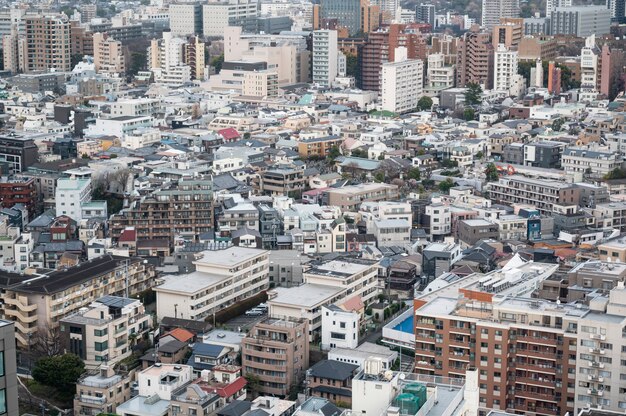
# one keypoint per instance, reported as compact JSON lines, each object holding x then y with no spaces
{"x":216,"y":16}
{"x":118,"y":126}
{"x":71,"y":194}
{"x":340,"y":328}
{"x":222,"y":278}
{"x":105,"y":331}
{"x":325,"y":55}
{"x":551,"y":5}
{"x":494,"y":10}
{"x":402,"y":83}
{"x":596,"y":163}
{"x":505,"y":68}
{"x":135,"y":107}
{"x":440,"y":76}
{"x":440,"y":218}
{"x":185,"y":19}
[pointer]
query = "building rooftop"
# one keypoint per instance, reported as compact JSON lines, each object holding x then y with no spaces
{"x":307,"y":295}
{"x":231,"y":256}
{"x":190,"y":283}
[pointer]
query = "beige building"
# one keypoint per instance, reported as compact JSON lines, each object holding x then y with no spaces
{"x":14,"y":52}
{"x":101,"y":391}
{"x":106,"y":331}
{"x":349,"y":198}
{"x":108,"y":54}
{"x":277,"y":352}
{"x":222,"y":279}
{"x":42,"y":300}
{"x":48,"y":43}
{"x":260,"y":84}
{"x":193,"y":56}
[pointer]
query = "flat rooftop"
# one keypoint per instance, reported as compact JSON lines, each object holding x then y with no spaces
{"x":341,"y":268}
{"x":232,"y":256}
{"x":307,"y":295}
{"x":190,"y":283}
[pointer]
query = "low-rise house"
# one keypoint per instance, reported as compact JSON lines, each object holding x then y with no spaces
{"x":101,"y":391}
{"x":332,"y":380}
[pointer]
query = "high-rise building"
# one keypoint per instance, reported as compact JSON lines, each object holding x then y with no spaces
{"x":14,"y":51}
{"x":185,"y":19}
{"x":494,"y":10}
{"x":325,"y":52}
{"x":425,"y":13}
{"x":166,"y":59}
{"x":108,"y":54}
{"x":504,"y":68}
{"x":589,"y":69}
{"x":536,"y":74}
{"x":88,"y":12}
{"x":372,"y":55}
{"x":551,"y":5}
{"x":618,"y":10}
{"x":346,"y":12}
{"x":402,"y":83}
{"x":193,"y":56}
{"x":475,"y":59}
{"x":389,"y":10}
{"x":217,"y":15}
{"x":48,"y":43}
{"x":554,"y":78}
{"x":581,"y":21}
{"x":613,"y":61}
{"x":370,"y":16}
{"x":508,"y":33}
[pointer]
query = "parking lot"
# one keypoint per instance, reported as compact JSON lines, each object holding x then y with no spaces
{"x":243,"y":322}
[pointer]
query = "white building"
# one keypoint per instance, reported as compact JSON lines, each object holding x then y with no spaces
{"x":222,"y":278}
{"x":166,"y":60}
{"x":216,"y":16}
{"x":589,"y":69}
{"x":71,"y":194}
{"x":134,"y":107}
{"x":118,"y":126}
{"x":505,"y":68}
{"x":340,"y":328}
{"x":551,"y":5}
{"x":360,"y":354}
{"x":494,"y":10}
{"x":392,"y":232}
{"x":440,"y":76}
{"x":402,"y":83}
{"x":440,"y":218}
{"x":185,"y":19}
{"x":325,"y":54}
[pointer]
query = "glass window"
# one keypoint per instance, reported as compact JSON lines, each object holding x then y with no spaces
{"x":1,"y":363}
{"x":3,"y":400}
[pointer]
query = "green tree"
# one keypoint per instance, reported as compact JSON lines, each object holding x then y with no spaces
{"x":60,"y":371}
{"x":492,"y":173}
{"x":359,"y":153}
{"x":414,"y":173}
{"x":379,"y":176}
{"x":616,"y":173}
{"x":473,"y":94}
{"x":479,"y":155}
{"x":137,"y":63}
{"x":469,"y":114}
{"x":334,"y":153}
{"x":217,"y":63}
{"x":425,"y":103}
{"x":445,"y":186}
{"x":353,"y":69}
{"x":557,"y":124}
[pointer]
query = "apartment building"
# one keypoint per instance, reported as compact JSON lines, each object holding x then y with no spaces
{"x":325,"y":283}
{"x":609,"y":215}
{"x":324,"y":63}
{"x":39,"y":300}
{"x":222,"y":278}
{"x":101,"y":391}
{"x":340,"y":328}
{"x":182,"y":208}
{"x":440,"y":76}
{"x":505,"y":69}
{"x":18,"y":151}
{"x":9,"y":404}
{"x":349,"y":198}
{"x":473,"y":230}
{"x":287,"y":180}
{"x":105,"y":331}
{"x":19,"y":191}
{"x":392,"y":232}
{"x":581,"y":21}
{"x":238,"y":217}
{"x":277,"y":352}
{"x":494,"y":10}
{"x":474,"y":60}
{"x":217,"y":15}
{"x":48,"y":43}
{"x":318,"y":146}
{"x":542,"y":194}
{"x":108,"y":54}
{"x":554,"y":357}
{"x":185,"y":19}
{"x":595,"y":163}
{"x":402,"y":83}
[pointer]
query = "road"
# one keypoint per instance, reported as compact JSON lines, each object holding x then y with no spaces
{"x":243,"y":323}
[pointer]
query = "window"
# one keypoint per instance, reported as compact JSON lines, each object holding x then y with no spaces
{"x":100,"y":332}
{"x":1,"y":364}
{"x":3,"y":401}
{"x":101,"y":346}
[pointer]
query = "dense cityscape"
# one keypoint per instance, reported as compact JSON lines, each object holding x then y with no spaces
{"x":313,"y":208}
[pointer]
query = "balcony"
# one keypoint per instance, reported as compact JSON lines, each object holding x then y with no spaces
{"x":534,"y":395}
{"x":597,"y":336}
{"x":596,"y":364}
{"x":597,"y":351}
{"x":595,"y":392}
{"x":599,"y":379}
